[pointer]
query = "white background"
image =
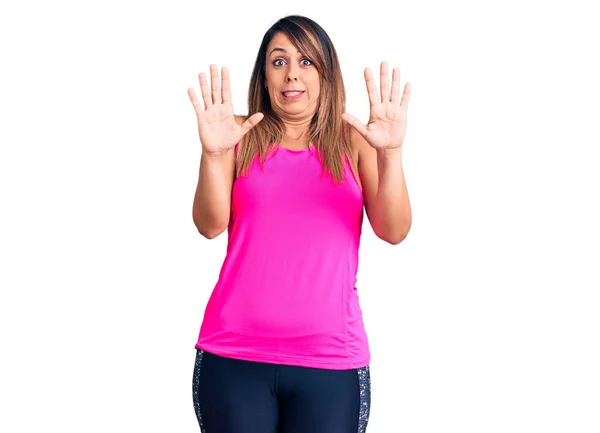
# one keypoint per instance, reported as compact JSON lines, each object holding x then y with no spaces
{"x":485,"y":319}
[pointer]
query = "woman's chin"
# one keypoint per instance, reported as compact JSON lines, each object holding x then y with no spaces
{"x":295,"y":111}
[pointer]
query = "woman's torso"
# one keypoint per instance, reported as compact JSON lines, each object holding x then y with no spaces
{"x":287,"y":289}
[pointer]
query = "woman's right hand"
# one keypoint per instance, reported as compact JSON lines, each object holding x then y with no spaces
{"x":217,"y":127}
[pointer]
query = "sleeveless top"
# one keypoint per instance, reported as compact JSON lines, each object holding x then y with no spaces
{"x":286,"y":291}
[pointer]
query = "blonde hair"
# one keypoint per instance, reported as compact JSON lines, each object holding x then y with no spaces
{"x":327,"y":130}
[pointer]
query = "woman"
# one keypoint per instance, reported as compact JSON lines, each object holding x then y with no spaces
{"x":282,"y":347}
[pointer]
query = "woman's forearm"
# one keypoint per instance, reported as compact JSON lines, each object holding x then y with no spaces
{"x":393,"y":214}
{"x":212,"y":201}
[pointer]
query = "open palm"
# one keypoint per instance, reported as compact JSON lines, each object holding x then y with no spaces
{"x":217,"y":127}
{"x":387,"y":120}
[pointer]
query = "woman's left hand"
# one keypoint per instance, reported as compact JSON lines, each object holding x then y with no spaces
{"x":387,"y":121}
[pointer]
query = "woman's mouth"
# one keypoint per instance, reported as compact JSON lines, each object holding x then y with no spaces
{"x":292,"y":95}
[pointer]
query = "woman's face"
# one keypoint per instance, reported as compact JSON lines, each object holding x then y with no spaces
{"x":289,"y":70}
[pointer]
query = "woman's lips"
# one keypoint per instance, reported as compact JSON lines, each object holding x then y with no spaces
{"x":291,"y":96}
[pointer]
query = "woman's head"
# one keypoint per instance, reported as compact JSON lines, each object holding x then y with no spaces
{"x":296,"y":54}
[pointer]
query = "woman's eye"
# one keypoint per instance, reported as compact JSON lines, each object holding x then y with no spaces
{"x":280,"y":62}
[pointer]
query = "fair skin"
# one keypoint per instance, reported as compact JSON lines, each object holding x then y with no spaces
{"x":376,"y":146}
{"x":380,"y":145}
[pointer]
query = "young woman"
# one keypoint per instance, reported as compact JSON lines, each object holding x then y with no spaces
{"x":282,"y":347}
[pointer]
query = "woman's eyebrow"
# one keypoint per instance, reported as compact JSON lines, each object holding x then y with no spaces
{"x":277,"y":49}
{"x":280,"y":49}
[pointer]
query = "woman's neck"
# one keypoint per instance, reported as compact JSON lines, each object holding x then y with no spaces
{"x":296,"y":134}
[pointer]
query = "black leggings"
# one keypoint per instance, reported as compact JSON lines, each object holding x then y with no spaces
{"x":235,"y":396}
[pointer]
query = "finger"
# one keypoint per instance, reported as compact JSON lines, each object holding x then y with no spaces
{"x":406,"y":95}
{"x":226,"y":85}
{"x":355,"y":123}
{"x":215,"y":86}
{"x":251,"y":122}
{"x":195,"y":101}
{"x":205,"y":90}
{"x":395,"y":86}
{"x":371,"y":88}
{"x":384,"y":82}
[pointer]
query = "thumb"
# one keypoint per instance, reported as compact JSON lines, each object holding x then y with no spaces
{"x":251,"y":122}
{"x":355,"y":123}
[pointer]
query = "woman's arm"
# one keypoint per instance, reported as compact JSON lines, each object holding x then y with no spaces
{"x":384,"y":189}
{"x":380,"y":156}
{"x":212,"y":201}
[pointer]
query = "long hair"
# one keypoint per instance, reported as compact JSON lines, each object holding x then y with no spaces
{"x":327,"y":129}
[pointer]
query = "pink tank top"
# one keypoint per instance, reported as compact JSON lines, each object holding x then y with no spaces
{"x":286,"y":292}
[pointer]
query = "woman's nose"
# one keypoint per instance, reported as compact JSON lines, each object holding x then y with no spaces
{"x":292,"y":74}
